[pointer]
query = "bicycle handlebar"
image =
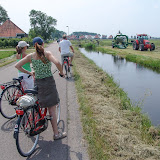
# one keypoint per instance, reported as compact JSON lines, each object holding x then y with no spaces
{"x":61,"y":75}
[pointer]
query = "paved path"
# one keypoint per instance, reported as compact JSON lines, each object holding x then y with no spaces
{"x":70,"y":148}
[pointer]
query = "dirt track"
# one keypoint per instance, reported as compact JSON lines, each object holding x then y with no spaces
{"x":71,"y":148}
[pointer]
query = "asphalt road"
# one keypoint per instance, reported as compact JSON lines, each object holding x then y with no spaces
{"x":71,"y":148}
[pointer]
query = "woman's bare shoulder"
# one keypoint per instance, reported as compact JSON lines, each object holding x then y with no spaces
{"x":29,"y":56}
{"x":48,"y":53}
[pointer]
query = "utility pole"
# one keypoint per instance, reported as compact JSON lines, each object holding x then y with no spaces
{"x":68,"y":30}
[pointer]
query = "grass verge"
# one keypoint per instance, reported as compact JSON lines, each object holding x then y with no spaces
{"x":113,"y":128}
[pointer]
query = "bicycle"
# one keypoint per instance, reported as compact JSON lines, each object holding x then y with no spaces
{"x":11,"y":91}
{"x":67,"y":66}
{"x":32,"y":120}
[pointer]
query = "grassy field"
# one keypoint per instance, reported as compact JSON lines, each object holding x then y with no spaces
{"x":114,"y":129}
{"x":4,"y":54}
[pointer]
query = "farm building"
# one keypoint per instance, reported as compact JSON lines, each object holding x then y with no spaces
{"x":104,"y":37}
{"x":110,"y":37}
{"x":9,"y":30}
{"x":82,"y":37}
{"x":96,"y":37}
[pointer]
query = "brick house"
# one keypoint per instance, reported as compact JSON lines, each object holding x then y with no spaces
{"x":9,"y":30}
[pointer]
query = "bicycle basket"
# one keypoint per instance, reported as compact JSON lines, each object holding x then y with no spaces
{"x":26,"y":101}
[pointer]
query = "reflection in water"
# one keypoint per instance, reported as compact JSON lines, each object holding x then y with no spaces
{"x":119,"y":61}
{"x":141,"y":84}
{"x":139,"y":67}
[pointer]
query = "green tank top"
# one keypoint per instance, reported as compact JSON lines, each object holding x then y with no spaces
{"x":25,"y":66}
{"x":41,"y":70}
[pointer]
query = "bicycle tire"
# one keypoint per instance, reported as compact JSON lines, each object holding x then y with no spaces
{"x":66,"y":69}
{"x":25,"y":143}
{"x":58,"y":112}
{"x":8,"y":100}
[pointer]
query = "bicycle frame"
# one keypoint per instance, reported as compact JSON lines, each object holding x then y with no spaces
{"x":20,"y":112}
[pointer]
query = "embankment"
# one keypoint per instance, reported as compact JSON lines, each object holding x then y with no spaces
{"x":114,"y":129}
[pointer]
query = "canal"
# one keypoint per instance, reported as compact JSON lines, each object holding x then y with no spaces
{"x":141,"y":84}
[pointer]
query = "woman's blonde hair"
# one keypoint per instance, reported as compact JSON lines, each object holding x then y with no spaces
{"x":40,"y":53}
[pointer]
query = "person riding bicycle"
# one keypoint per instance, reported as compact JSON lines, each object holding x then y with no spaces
{"x":47,"y":91}
{"x":27,"y":81}
{"x":64,"y":49}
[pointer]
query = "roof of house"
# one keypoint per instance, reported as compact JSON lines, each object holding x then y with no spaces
{"x":9,"y":29}
{"x":110,"y":36}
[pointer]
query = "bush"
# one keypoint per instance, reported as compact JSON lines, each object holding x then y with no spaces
{"x":90,"y":46}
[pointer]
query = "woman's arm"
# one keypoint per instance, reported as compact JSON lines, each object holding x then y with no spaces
{"x":23,"y":61}
{"x":51,"y":58}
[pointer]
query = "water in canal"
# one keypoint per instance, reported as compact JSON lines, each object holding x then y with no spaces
{"x":141,"y":84}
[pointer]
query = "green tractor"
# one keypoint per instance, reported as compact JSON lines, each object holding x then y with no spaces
{"x":120,"y":41}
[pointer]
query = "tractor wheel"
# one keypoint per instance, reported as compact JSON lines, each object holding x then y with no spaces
{"x":112,"y":45}
{"x":152,"y":47}
{"x":135,"y":46}
{"x":141,"y":47}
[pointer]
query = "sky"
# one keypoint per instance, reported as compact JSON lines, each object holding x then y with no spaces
{"x":105,"y":17}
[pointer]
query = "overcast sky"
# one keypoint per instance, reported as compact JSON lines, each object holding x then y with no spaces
{"x":99,"y":16}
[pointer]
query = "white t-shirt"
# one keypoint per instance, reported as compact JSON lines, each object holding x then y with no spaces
{"x":65,"y":46}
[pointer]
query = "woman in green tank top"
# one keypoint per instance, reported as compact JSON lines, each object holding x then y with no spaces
{"x":47,"y":93}
{"x":27,"y":81}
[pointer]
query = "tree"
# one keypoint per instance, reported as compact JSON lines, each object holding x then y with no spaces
{"x":41,"y":24}
{"x":3,"y":15}
{"x":57,"y":34}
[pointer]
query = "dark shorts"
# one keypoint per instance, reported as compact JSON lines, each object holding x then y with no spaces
{"x":47,"y":92}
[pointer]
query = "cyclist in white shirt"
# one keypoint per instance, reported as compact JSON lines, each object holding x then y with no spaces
{"x":64,"y":48}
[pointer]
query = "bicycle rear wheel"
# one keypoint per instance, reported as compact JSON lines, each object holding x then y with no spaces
{"x":66,"y":69}
{"x":25,"y":143}
{"x":8,"y":99}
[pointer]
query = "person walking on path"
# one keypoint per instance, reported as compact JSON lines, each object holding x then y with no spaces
{"x":27,"y":81}
{"x":47,"y":91}
{"x":64,"y":49}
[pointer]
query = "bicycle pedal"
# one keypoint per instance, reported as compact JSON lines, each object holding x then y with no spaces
{"x":40,"y":123}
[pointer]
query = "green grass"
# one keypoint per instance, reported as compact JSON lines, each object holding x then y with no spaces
{"x":5,"y":54}
{"x":145,"y":61}
{"x":89,"y":124}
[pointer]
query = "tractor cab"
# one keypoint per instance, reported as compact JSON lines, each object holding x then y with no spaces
{"x":143,"y":39}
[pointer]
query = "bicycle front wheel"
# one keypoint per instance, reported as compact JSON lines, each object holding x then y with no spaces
{"x":25,"y":143}
{"x":8,"y":99}
{"x":58,"y":112}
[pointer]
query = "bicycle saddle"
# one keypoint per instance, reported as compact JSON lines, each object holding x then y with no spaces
{"x":18,"y":79}
{"x":65,"y":56}
{"x":33,"y":91}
